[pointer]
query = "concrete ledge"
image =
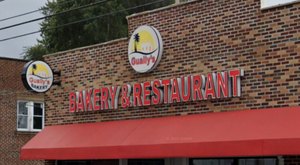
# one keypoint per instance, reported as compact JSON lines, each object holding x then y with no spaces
{"x":160,"y":9}
{"x":13,"y":59}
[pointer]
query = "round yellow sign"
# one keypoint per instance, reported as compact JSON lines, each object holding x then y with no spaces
{"x":145,"y":49}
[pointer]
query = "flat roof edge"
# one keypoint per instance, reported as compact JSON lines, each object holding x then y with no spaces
{"x":13,"y":59}
{"x":86,"y":47}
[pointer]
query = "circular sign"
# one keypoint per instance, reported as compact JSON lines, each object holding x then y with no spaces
{"x":145,"y":49}
{"x":37,"y":76}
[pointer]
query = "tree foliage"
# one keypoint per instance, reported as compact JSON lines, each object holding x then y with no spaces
{"x":35,"y":52}
{"x":58,"y":35}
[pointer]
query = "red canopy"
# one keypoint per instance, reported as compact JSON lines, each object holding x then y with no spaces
{"x":265,"y":132}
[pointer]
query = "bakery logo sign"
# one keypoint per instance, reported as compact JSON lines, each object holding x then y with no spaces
{"x":37,"y":76}
{"x":145,"y":49}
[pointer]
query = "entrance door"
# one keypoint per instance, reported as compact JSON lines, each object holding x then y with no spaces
{"x":146,"y":162}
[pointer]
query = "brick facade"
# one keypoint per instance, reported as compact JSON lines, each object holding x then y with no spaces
{"x":11,"y":89}
{"x":199,"y":37}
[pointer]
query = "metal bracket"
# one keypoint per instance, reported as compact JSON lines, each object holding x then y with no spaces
{"x":58,"y":83}
{"x":57,"y":72}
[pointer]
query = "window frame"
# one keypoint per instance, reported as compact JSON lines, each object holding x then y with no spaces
{"x":263,"y":3}
{"x":30,"y":116}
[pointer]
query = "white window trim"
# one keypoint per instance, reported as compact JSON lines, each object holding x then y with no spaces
{"x":30,"y":117}
{"x":265,"y":5}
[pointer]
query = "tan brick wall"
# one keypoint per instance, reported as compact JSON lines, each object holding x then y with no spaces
{"x":199,"y":37}
{"x":11,"y":89}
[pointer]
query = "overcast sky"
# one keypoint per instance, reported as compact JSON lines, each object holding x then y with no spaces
{"x":15,"y":47}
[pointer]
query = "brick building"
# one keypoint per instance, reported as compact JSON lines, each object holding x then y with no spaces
{"x":12,"y":92}
{"x":259,"y":126}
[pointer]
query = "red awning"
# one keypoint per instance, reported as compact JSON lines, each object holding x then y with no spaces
{"x":265,"y":132}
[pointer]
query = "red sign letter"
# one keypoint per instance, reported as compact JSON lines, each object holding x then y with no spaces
{"x":222,"y":84}
{"x":96,"y":99}
{"x":72,"y":102}
{"x":137,"y":90}
{"x":210,"y":86}
{"x":156,"y":100}
{"x":197,"y":84}
{"x":104,"y":98}
{"x":175,"y":91}
{"x":88,"y":100}
{"x":185,"y":88}
{"x":166,"y":84}
{"x":114,"y":94}
{"x":236,"y":84}
{"x":80,"y":102}
{"x":146,"y":93}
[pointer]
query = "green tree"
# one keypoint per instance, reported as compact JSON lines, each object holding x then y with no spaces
{"x":84,"y":33}
{"x":35,"y":52}
{"x":58,"y":35}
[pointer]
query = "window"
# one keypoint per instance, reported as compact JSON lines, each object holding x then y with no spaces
{"x":266,"y":4}
{"x":30,"y":116}
{"x":234,"y":161}
{"x":212,"y":162}
{"x":88,"y":162}
{"x":258,"y":161}
{"x":146,"y":162}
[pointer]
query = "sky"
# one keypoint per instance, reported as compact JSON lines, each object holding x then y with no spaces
{"x":14,"y":48}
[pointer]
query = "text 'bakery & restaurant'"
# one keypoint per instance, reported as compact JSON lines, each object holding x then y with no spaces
{"x":196,"y":83}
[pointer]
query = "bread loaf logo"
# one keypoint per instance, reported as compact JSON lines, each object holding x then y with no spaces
{"x":145,"y":49}
{"x":37,"y":76}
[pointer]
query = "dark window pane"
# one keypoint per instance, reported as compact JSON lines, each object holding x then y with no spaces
{"x":23,"y":108}
{"x":259,"y":161}
{"x":271,"y":161}
{"x":212,"y":161}
{"x":234,"y":161}
{"x":22,"y":122}
{"x":104,"y":162}
{"x":38,"y":110}
{"x":72,"y":162}
{"x":88,"y":162}
{"x":37,"y":122}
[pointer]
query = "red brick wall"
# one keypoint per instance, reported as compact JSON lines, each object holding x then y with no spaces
{"x":199,"y":37}
{"x":10,"y":74}
{"x":11,"y":88}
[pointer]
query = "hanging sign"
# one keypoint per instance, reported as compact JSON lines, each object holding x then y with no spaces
{"x":37,"y":76}
{"x":145,"y":49}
